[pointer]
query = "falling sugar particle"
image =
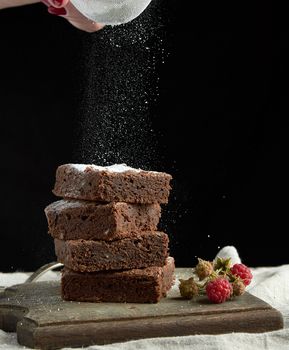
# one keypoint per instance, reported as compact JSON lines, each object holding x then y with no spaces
{"x":209,"y":236}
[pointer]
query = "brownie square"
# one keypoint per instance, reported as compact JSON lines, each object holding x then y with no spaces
{"x":144,"y":250}
{"x":147,"y":285}
{"x":72,"y":219}
{"x":117,"y":183}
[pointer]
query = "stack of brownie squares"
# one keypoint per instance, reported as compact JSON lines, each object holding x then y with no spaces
{"x":105,"y":233}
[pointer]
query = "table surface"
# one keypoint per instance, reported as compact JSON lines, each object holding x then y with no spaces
{"x":270,"y":284}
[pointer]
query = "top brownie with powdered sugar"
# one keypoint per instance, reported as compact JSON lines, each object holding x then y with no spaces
{"x":115,"y":183}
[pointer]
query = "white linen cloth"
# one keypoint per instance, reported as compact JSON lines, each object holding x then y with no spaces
{"x":270,"y":284}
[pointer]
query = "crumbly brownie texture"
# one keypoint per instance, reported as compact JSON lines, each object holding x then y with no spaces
{"x":146,"y":249}
{"x":147,"y":285}
{"x":72,"y":219}
{"x":117,"y":183}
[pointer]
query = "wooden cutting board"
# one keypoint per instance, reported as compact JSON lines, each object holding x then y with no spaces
{"x":43,"y":320}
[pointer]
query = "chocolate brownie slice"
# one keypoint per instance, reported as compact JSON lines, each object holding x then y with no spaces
{"x":147,"y":285}
{"x":72,"y":219}
{"x":144,"y":250}
{"x":116,"y":183}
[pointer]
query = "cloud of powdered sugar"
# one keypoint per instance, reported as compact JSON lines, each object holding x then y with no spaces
{"x":119,"y":88}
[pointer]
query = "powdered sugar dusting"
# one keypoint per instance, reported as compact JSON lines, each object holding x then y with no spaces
{"x":115,"y":168}
{"x":65,"y":204}
{"x":120,"y":168}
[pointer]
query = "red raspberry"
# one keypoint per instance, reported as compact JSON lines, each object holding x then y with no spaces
{"x":219,"y":290}
{"x":243,"y":272}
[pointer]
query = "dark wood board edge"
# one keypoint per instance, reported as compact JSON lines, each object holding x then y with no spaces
{"x":10,"y":315}
{"x":85,"y":334}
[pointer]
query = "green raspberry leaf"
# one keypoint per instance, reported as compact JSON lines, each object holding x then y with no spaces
{"x":222,"y":264}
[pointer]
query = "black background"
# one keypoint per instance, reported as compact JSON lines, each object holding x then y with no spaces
{"x":199,"y":93}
